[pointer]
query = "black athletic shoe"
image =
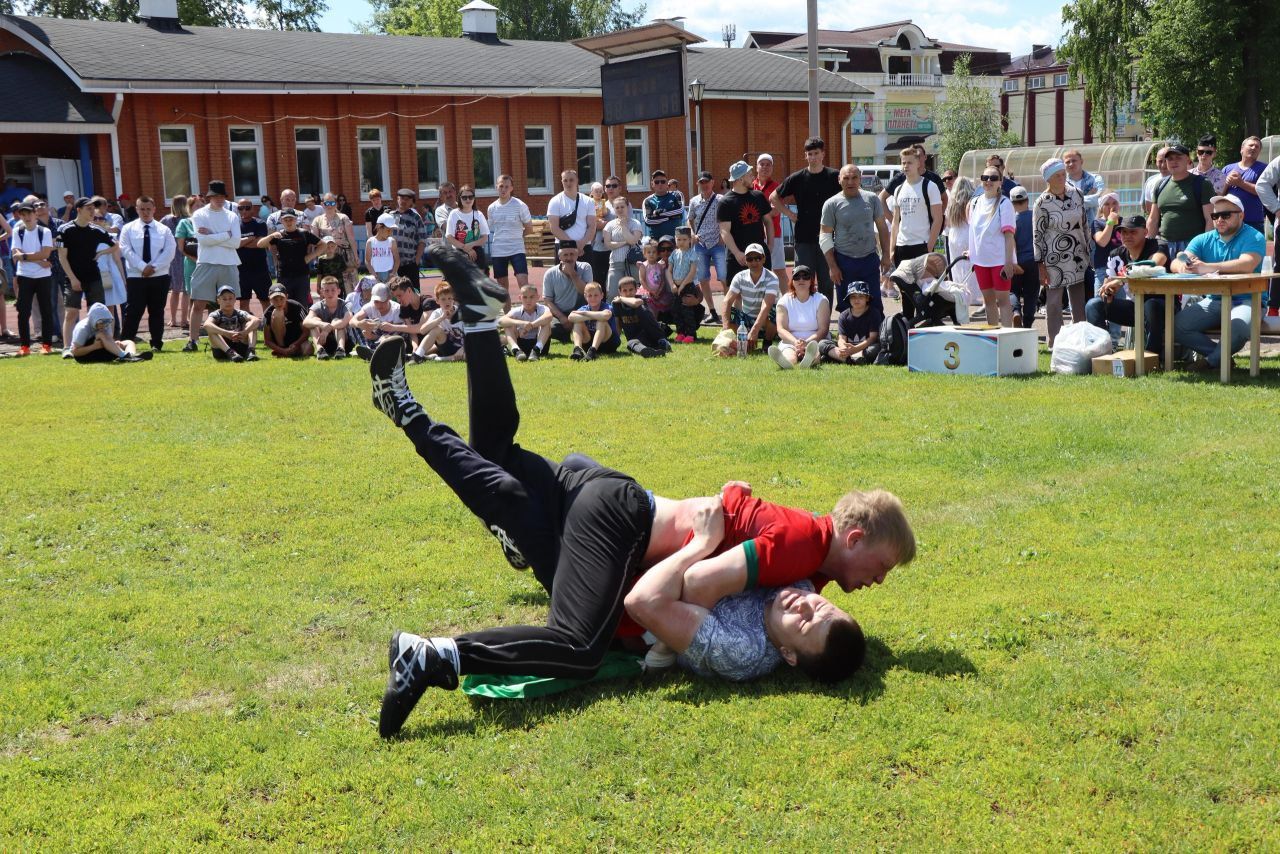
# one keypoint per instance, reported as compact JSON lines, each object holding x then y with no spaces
{"x":415,"y":666}
{"x":364,"y":351}
{"x":340,"y":353}
{"x":190,"y":346}
{"x":590,"y":355}
{"x":479,"y":297}
{"x":252,"y":356}
{"x":577,"y":355}
{"x":651,"y":352}
{"x":233,"y":356}
{"x":391,"y":395}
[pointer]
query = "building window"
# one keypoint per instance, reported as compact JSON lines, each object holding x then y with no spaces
{"x":372,"y":147}
{"x":430,"y":159}
{"x":588,"y":156}
{"x":1035,"y":82}
{"x":485,"y":164}
{"x":178,"y":161}
{"x":247,"y":170}
{"x":1060,"y":79}
{"x":313,"y":161}
{"x":635,"y":143}
{"x":537,"y":156}
{"x":1011,"y":85}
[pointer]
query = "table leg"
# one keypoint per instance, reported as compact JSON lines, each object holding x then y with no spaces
{"x":1139,"y":333}
{"x":1168,"y":332}
{"x":1255,"y":332}
{"x":1224,"y":340}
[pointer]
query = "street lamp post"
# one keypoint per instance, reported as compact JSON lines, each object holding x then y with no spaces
{"x":696,"y":90}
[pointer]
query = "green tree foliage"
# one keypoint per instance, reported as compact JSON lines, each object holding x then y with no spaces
{"x":1101,"y":37}
{"x":276,"y":14}
{"x":1202,"y":66}
{"x":967,"y":118}
{"x":541,"y":20}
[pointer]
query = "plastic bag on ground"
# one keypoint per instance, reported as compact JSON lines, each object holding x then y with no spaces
{"x":1076,"y":346}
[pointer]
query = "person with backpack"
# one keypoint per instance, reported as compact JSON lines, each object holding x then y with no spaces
{"x":31,"y":250}
{"x":917,"y":211}
{"x":1180,"y":208}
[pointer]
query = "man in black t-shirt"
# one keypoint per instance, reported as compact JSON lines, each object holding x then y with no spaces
{"x":79,"y":243}
{"x":255,"y":276}
{"x":282,"y":329}
{"x":1107,"y":308}
{"x":295,"y":249}
{"x":745,"y":217}
{"x":808,"y":189}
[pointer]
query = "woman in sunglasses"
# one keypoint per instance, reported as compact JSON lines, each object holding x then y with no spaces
{"x":467,"y":229}
{"x":344,"y":207}
{"x":992,"y":251}
{"x":335,"y":230}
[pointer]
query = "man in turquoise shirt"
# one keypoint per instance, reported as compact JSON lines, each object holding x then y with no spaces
{"x":1232,"y":247}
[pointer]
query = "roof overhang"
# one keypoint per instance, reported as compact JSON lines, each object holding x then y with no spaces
{"x":636,"y":40}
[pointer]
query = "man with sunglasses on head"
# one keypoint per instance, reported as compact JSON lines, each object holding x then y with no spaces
{"x":663,"y":209}
{"x":1206,"y":150}
{"x":1232,"y":247}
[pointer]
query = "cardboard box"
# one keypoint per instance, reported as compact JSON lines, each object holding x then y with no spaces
{"x":1123,"y":363}
{"x":980,"y":351}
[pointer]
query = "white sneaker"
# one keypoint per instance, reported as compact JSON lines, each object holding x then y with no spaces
{"x":775,"y":353}
{"x":810,"y":359}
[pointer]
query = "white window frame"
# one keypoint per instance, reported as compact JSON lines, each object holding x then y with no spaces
{"x":1036,"y":82}
{"x":644,"y":155}
{"x":1011,"y":85}
{"x":492,"y":145}
{"x":322,"y":146}
{"x":256,"y":148}
{"x":438,"y":145}
{"x":545,"y":145}
{"x":1062,"y":78}
{"x":189,"y":147}
{"x":595,"y":150}
{"x":381,"y":146}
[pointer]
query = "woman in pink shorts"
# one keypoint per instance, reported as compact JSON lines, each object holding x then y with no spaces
{"x":992,"y":224}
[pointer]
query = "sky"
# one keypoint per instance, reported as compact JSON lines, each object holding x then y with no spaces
{"x":1011,"y":25}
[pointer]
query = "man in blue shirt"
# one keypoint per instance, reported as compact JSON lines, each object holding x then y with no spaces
{"x":663,"y":210}
{"x":1242,"y":181}
{"x":1232,"y":247}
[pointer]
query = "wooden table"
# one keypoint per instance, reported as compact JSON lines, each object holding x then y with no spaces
{"x":1223,"y":286}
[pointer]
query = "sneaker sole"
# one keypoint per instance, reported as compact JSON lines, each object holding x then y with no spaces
{"x":473,"y":288}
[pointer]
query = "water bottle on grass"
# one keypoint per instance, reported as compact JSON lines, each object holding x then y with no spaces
{"x":742,"y":340}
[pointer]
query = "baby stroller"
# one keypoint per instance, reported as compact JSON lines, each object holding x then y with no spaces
{"x":940,"y":300}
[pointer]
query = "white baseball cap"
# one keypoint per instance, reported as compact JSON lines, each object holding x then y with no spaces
{"x":389,"y":220}
{"x":381,"y":292}
{"x":754,"y":249}
{"x":1231,"y":200}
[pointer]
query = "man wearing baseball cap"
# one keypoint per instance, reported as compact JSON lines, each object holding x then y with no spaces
{"x":232,"y":331}
{"x":708,"y":247}
{"x":1108,"y":306}
{"x":1181,"y":203}
{"x":79,"y":244}
{"x":745,"y":217}
{"x":282,"y":329}
{"x":1232,"y":247}
{"x":217,"y":263}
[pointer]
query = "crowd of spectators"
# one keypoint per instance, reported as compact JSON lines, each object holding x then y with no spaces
{"x":640,"y":275}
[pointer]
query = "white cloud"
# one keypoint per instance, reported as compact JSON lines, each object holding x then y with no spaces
{"x":1009,"y":25}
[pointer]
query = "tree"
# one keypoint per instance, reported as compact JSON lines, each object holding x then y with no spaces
{"x":291,"y":14}
{"x":967,"y":118}
{"x":276,"y":14}
{"x":1101,"y":37}
{"x":540,"y":20}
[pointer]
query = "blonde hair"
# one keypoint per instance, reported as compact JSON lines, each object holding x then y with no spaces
{"x":882,"y":519}
{"x":958,"y":202}
{"x":180,"y":207}
{"x":593,"y":286}
{"x":529,"y":289}
{"x":330,"y":280}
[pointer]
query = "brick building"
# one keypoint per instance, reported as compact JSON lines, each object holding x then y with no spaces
{"x":158,"y":108}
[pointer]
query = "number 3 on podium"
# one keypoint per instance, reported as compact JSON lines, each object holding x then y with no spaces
{"x":952,"y":360}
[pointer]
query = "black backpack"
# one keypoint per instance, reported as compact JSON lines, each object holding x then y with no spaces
{"x":893,"y":341}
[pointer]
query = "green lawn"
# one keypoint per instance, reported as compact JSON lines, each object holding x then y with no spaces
{"x":202,"y":563}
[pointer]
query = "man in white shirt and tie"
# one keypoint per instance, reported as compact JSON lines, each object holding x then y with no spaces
{"x":217,"y":262}
{"x":147,"y":248}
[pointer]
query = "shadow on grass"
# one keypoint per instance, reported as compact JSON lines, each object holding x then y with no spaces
{"x":865,"y":687}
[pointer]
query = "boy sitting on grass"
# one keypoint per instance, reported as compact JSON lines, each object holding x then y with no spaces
{"x":859,"y":339}
{"x":441,"y":332}
{"x":232,"y":331}
{"x":282,"y":329}
{"x":646,"y":337}
{"x":752,"y":299}
{"x":93,"y":339}
{"x":328,"y":320}
{"x":594,"y":329}
{"x":682,"y":273}
{"x":527,"y":327}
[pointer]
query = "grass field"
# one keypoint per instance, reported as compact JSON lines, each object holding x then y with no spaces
{"x":201,"y":565}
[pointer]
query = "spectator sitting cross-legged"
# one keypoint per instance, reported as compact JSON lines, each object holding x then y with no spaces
{"x":527,"y":327}
{"x":858,"y":342}
{"x":373,"y":318}
{"x":594,"y":329}
{"x":646,"y":337}
{"x":232,"y":331}
{"x":804,"y":320}
{"x":282,"y":324}
{"x":752,"y":298}
{"x":328,"y":321}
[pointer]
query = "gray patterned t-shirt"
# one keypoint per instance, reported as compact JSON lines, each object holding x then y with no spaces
{"x":731,"y":642}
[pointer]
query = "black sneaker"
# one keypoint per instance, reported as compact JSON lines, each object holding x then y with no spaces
{"x":651,"y":352}
{"x":416,"y":359}
{"x":415,"y":666}
{"x":712,"y":319}
{"x":157,"y":347}
{"x":480,"y":298}
{"x":190,"y":346}
{"x":577,"y":355}
{"x":322,"y":355}
{"x":590,"y":355}
{"x":391,"y":395}
{"x":364,"y":351}
{"x":252,"y":357}
{"x":339,"y":353}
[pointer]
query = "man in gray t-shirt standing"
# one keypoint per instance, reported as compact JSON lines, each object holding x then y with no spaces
{"x":852,"y":226}
{"x":562,"y":288}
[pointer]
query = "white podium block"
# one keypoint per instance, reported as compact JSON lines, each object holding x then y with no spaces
{"x":980,"y":352}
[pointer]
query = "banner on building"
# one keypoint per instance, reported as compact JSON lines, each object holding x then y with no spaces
{"x":904,"y":119}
